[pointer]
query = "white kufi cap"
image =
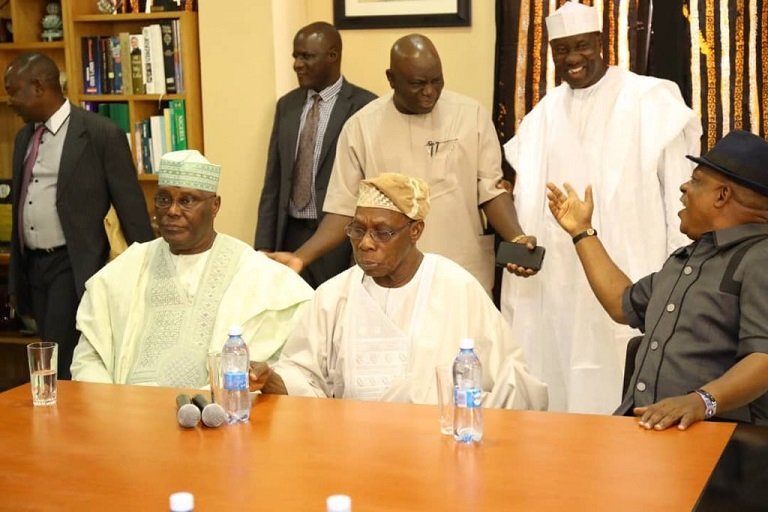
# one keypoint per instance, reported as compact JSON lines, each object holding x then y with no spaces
{"x":188,"y":169}
{"x":571,"y":19}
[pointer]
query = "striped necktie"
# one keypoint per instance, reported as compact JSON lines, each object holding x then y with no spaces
{"x":301,"y":193}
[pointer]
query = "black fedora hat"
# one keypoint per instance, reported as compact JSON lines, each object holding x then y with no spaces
{"x":741,"y":156}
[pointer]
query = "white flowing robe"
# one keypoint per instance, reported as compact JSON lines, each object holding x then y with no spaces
{"x":241,"y":287}
{"x":627,"y":136}
{"x":462,"y":171}
{"x":441,"y":305}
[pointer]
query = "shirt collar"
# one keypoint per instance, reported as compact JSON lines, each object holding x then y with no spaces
{"x":55,"y":122}
{"x":724,"y":238}
{"x":329,"y":92}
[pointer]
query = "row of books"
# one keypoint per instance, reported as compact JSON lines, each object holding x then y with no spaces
{"x":152,"y":137}
{"x":145,"y":63}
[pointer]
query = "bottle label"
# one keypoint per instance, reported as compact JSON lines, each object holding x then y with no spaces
{"x":235,"y":381}
{"x":469,"y":398}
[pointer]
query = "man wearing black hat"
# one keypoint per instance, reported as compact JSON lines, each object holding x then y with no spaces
{"x":704,"y":315}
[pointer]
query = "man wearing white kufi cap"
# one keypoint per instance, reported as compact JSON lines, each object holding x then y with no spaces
{"x":377,"y":331}
{"x":627,"y":135}
{"x":152,"y":315}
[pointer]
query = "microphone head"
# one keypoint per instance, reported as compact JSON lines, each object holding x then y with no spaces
{"x":214,"y":415}
{"x":188,"y":415}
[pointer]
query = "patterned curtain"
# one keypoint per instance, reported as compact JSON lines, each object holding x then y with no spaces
{"x":728,"y":67}
{"x":715,"y":50}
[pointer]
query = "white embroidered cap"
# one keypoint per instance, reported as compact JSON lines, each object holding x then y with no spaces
{"x":571,"y":19}
{"x":188,"y":169}
{"x":392,"y":191}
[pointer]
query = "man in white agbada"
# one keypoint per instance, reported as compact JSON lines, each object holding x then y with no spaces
{"x":377,"y":331}
{"x":627,"y":135}
{"x":152,"y":315}
{"x":440,"y":136}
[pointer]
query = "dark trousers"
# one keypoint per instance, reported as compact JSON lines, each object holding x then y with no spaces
{"x":54,"y":301}
{"x":335,"y":262}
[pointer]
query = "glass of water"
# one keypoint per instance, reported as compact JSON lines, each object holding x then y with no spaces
{"x":43,"y":359}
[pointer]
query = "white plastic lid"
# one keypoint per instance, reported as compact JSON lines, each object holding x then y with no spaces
{"x":338,"y":503}
{"x":235,"y":330}
{"x":467,"y":344}
{"x":182,"y":502}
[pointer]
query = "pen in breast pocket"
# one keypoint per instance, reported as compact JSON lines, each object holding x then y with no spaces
{"x":434,"y":145}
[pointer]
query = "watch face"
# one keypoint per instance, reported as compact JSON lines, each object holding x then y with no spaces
{"x":591,"y":232}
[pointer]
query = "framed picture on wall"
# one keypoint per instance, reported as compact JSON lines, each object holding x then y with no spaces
{"x":352,"y":14}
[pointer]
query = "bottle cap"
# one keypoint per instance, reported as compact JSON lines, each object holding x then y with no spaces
{"x":182,"y":502}
{"x":467,"y":344}
{"x":235,"y":330}
{"x":339,"y":503}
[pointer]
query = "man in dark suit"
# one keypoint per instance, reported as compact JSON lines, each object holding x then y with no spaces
{"x":301,"y":141}
{"x":69,"y":165}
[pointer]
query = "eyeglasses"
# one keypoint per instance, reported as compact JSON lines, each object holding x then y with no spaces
{"x":186,"y":202}
{"x":357,"y":232}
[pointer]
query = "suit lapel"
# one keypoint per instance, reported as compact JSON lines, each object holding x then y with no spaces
{"x":19,"y":152}
{"x":74,"y":145}
{"x":290,"y":136}
{"x":339,"y":115}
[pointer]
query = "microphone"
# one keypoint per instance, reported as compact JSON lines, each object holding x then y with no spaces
{"x":187,"y":414}
{"x":213,"y":414}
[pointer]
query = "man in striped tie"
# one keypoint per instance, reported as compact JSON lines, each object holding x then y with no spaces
{"x":302,"y":149}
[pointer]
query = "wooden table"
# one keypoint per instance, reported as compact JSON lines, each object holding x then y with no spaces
{"x":111,"y":447}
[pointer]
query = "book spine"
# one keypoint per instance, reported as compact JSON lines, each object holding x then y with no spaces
{"x":117,"y":65}
{"x":177,"y":56}
{"x":179,"y":116}
{"x":125,"y":61}
{"x":168,"y":131}
{"x":107,"y":68}
{"x":137,"y":63}
{"x":118,"y":112}
{"x":146,"y":146}
{"x":146,"y":62}
{"x":168,"y":43}
{"x":158,"y":136}
{"x":89,"y":66}
{"x":153,"y":55}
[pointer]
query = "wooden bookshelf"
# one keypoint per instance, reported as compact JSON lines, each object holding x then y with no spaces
{"x":81,"y":18}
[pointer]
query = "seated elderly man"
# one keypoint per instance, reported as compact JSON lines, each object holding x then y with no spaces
{"x":377,"y":331}
{"x":152,"y":315}
{"x":705,"y":313}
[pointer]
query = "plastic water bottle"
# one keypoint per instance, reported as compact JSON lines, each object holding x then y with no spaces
{"x":338,"y":503}
{"x":467,"y":394}
{"x":182,"y":502}
{"x":234,"y":369}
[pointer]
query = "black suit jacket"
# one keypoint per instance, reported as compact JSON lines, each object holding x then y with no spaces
{"x":96,"y":169}
{"x":273,"y":207}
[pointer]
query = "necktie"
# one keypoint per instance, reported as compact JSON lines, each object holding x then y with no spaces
{"x":26,"y":177}
{"x":301,"y":192}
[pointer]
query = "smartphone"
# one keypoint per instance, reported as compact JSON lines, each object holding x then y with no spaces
{"x":520,"y":255}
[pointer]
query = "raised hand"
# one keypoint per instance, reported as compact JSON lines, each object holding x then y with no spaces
{"x":573,"y":214}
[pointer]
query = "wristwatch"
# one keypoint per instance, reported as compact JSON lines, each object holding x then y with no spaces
{"x":709,"y":402}
{"x":584,"y":234}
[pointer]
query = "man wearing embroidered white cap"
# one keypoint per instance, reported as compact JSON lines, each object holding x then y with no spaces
{"x":377,"y":331}
{"x":152,"y":315}
{"x":627,"y":135}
